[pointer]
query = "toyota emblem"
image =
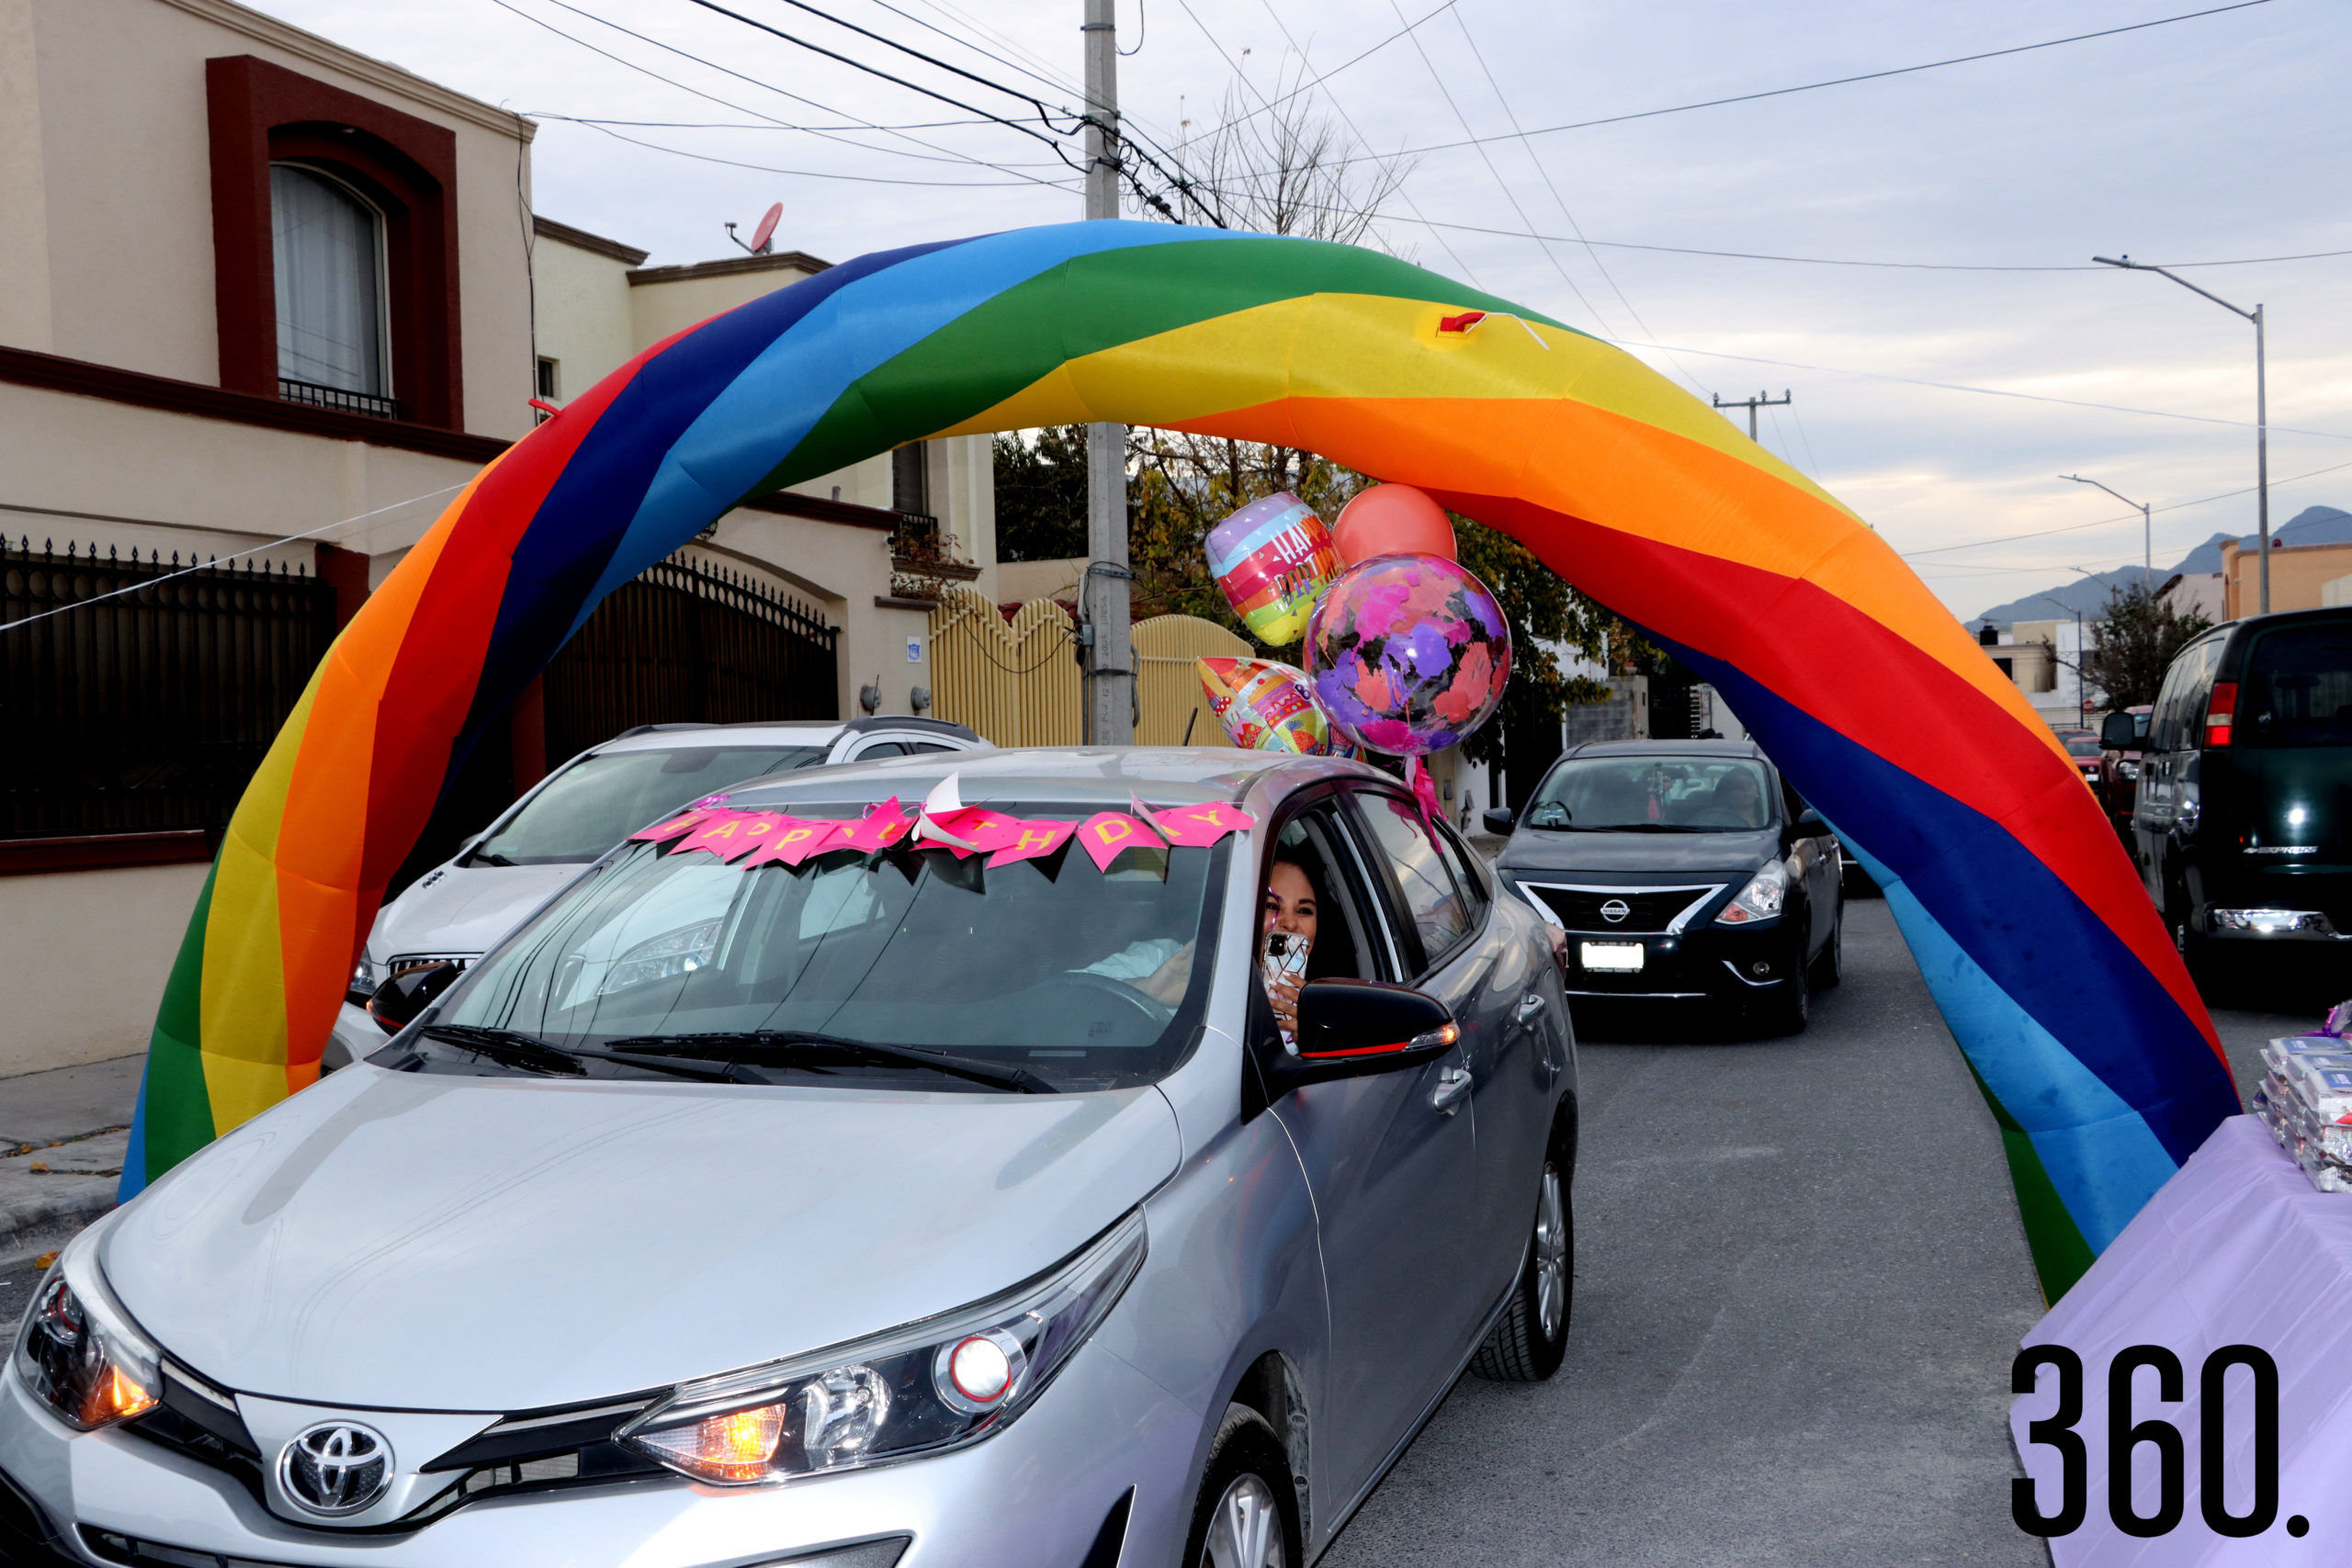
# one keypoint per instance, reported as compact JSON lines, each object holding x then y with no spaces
{"x":1615,"y":910}
{"x":335,"y":1468}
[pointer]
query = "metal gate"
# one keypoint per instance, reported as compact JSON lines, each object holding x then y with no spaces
{"x":685,"y":642}
{"x":151,"y":709}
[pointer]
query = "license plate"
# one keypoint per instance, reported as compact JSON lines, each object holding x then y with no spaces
{"x":1620,"y":957}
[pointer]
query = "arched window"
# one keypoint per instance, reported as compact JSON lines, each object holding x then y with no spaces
{"x":328,"y":249}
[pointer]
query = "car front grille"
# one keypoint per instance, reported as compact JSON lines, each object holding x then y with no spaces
{"x":1586,"y":909}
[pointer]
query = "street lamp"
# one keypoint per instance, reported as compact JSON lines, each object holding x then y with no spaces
{"x":2261,"y":408}
{"x":2147,"y":534}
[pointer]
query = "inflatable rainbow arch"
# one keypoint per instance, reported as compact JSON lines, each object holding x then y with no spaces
{"x":2027,"y":918}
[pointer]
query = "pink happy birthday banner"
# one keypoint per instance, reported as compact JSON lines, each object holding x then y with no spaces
{"x":753,"y":838}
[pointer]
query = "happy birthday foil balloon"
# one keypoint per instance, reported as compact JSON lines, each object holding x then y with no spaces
{"x":1264,"y":706}
{"x":1272,"y":558}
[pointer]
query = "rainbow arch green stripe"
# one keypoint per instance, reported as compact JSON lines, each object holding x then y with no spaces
{"x":2057,"y":977}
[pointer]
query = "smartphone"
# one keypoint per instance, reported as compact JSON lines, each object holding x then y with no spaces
{"x":1285,"y":956}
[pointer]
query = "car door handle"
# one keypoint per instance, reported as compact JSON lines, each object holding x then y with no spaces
{"x":1528,"y":1006}
{"x":1453,"y":1084}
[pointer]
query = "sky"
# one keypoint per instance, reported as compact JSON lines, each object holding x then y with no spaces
{"x":2218,"y":138}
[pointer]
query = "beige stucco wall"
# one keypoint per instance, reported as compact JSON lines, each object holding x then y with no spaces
{"x":89,"y":953}
{"x":663,"y":307}
{"x":201,"y":486}
{"x":2298,"y":572}
{"x":842,"y":569}
{"x":583,"y":314}
{"x":106,"y":206}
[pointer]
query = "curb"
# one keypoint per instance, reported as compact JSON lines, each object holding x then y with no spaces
{"x":30,"y":1226}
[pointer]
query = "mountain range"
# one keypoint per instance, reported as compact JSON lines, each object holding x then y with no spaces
{"x":2086,"y":595}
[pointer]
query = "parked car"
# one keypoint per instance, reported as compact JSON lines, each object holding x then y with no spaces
{"x":2118,"y":776}
{"x":2083,"y":745}
{"x":2243,"y":824}
{"x":1682,"y":870}
{"x":537,"y":846}
{"x":937,"y":1213}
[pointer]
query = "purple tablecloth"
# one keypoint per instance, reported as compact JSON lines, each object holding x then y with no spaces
{"x":2236,"y":1249}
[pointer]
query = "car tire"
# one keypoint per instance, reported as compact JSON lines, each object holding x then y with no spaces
{"x":1246,"y":1514}
{"x":1829,"y":966}
{"x":1785,"y":1010}
{"x":1528,"y":1343}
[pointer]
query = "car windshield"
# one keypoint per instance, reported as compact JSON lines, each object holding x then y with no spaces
{"x":600,"y":800}
{"x":2082,"y":746}
{"x":1083,"y":977}
{"x":1688,"y":795}
{"x":2298,"y":688}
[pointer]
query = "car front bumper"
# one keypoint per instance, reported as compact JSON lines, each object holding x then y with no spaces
{"x":1715,"y":963}
{"x":1038,"y":1492}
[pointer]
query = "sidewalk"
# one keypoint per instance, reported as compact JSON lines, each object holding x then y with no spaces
{"x":62,"y":1137}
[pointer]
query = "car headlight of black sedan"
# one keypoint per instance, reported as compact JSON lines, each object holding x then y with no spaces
{"x":1762,"y":899}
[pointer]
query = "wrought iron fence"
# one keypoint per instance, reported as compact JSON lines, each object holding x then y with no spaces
{"x":150,"y":709}
{"x":686,"y":642}
{"x":337,"y":397}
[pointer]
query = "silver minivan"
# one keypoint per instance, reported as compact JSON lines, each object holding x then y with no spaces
{"x":890,"y":1210}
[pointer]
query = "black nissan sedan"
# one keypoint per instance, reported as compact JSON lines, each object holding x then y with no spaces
{"x":1682,"y":870}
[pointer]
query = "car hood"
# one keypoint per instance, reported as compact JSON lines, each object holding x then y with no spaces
{"x":464,"y":908}
{"x":1633,"y":854}
{"x":402,"y":1240}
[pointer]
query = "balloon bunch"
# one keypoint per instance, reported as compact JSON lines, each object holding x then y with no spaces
{"x":1405,"y":651}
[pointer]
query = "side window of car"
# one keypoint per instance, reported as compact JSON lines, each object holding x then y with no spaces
{"x":881,"y":748}
{"x":916,"y":748}
{"x":1467,"y":871}
{"x":2180,"y":703}
{"x":1348,"y":942}
{"x":1434,"y":904}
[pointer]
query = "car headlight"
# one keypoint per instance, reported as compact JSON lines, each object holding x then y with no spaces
{"x":1761,"y":899}
{"x":665,"y":957}
{"x":2127,"y":769}
{"x":940,"y":1384}
{"x":364,"y":980}
{"x":80,"y":1354}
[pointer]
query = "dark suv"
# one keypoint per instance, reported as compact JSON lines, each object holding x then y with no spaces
{"x":2242,"y":828}
{"x":1682,"y":870}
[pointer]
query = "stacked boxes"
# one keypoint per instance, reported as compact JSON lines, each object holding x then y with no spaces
{"x":2305,"y":1097}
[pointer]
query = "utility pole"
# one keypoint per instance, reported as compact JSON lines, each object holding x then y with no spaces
{"x":2261,"y":408}
{"x":1751,"y":404}
{"x":1109,"y":693}
{"x":2147,"y":531}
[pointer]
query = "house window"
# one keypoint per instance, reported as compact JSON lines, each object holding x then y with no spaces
{"x":549,"y":385}
{"x":328,"y":254}
{"x":910,"y":479}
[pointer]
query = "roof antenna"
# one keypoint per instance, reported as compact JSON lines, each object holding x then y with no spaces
{"x":764,"y":235}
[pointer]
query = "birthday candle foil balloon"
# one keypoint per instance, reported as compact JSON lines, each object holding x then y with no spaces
{"x":1264,"y":706}
{"x":1272,"y":558}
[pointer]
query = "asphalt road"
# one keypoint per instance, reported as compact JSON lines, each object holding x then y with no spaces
{"x":1800,"y":1281}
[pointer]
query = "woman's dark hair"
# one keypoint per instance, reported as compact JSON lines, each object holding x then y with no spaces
{"x":1292,"y":858}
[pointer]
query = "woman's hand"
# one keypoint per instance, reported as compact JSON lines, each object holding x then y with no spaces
{"x":1284,"y":995}
{"x":1167,"y":984}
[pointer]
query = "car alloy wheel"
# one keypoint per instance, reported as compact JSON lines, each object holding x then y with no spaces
{"x":1246,"y":1529}
{"x":1551,"y":1255}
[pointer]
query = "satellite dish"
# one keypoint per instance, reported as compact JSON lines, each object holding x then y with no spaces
{"x":767,"y":230}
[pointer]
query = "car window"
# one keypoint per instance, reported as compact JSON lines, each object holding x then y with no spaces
{"x":1348,"y":941}
{"x":1467,"y":869}
{"x":918,"y":747}
{"x":2180,"y":703}
{"x":1433,"y":903}
{"x":2297,"y":690}
{"x":1086,"y":977}
{"x":600,"y":800}
{"x":1654,"y":793}
{"x":881,"y":748}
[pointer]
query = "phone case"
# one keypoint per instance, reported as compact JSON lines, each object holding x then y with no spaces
{"x":1285,"y":956}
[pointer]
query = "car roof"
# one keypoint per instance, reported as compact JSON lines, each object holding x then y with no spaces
{"x":775,"y":732}
{"x":1668,"y":749}
{"x":1164,"y":774}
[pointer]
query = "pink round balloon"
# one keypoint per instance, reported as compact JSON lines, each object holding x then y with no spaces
{"x":1391,"y":520}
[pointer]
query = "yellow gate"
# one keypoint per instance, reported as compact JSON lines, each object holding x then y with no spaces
{"x":1018,"y":684}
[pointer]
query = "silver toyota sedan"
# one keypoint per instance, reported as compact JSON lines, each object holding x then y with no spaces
{"x":900,"y":1206}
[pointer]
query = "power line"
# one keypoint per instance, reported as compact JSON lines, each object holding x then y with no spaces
{"x":2111,"y":522}
{"x":756,"y":124}
{"x":1023,"y":182}
{"x":1832,"y":82}
{"x":887,"y":42}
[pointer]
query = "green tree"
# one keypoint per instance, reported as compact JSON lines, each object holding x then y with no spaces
{"x":2130,"y":650}
{"x":1041,"y":494}
{"x":1542,"y":611}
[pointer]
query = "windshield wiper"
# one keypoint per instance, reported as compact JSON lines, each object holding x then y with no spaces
{"x":784,"y":1042}
{"x":518,"y":1049}
{"x":488,"y":857}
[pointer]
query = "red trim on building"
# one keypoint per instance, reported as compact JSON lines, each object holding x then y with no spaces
{"x":346,"y":571}
{"x":98,"y":851}
{"x":259,"y":114}
{"x":56,"y":374}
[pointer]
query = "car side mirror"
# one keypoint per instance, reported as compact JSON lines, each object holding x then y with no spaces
{"x":1350,"y":1028}
{"x":2118,"y":732}
{"x":1811,"y":824}
{"x":1501,"y":819}
{"x":409,"y":992}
